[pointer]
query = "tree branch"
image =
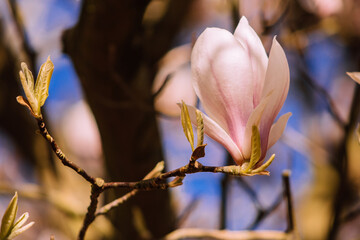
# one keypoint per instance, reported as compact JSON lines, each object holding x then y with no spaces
{"x":45,"y":133}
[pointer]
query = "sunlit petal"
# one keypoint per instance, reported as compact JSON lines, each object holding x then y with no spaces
{"x":256,"y":54}
{"x":213,"y":130}
{"x":277,"y":129}
{"x":222,"y":79}
{"x":254,"y":119}
{"x":277,"y":80}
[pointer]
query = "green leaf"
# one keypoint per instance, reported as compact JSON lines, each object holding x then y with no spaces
{"x":17,"y":231}
{"x":9,"y":218}
{"x":200,"y":128}
{"x":43,"y":82}
{"x":22,"y":219}
{"x":265,"y":165}
{"x":186,"y":124}
{"x":255,"y":148}
{"x":28,"y":75}
{"x":27,"y":83}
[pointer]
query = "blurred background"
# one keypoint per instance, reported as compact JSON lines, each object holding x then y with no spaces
{"x":120,"y":69}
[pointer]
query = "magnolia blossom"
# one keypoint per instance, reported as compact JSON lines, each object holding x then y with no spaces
{"x":323,"y":8}
{"x":240,"y":87}
{"x":178,"y":87}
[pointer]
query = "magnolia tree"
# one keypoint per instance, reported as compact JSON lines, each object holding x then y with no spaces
{"x":241,"y":90}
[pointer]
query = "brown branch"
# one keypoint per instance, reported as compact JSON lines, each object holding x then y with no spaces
{"x":341,"y":165}
{"x":291,"y":228}
{"x":329,"y":102}
{"x":26,"y":52}
{"x":287,"y":196}
{"x":105,"y":209}
{"x":45,"y":133}
{"x":153,"y":180}
{"x":156,"y":183}
{"x":154,"y":173}
{"x":96,"y":190}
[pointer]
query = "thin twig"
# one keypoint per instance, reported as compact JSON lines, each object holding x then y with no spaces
{"x":291,"y":228}
{"x":25,"y":51}
{"x":45,"y":133}
{"x":154,"y":173}
{"x":341,"y":165}
{"x":330,"y":104}
{"x":96,"y":190}
{"x":156,"y":183}
{"x":156,"y":180}
{"x":117,"y":202}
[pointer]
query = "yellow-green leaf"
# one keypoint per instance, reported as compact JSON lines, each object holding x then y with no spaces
{"x":186,"y":124}
{"x":19,"y":227}
{"x":25,"y":103}
{"x":200,"y":128}
{"x":255,"y":148}
{"x":28,"y":86}
{"x":43,"y":82}
{"x":265,"y":165}
{"x":8,"y":219}
{"x":28,"y":75}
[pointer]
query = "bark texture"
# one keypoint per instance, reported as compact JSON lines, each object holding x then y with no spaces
{"x":115,"y":57}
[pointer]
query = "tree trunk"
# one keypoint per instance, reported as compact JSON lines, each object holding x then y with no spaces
{"x":115,"y":60}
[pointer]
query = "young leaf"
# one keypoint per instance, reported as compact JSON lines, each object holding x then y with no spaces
{"x":265,"y":165}
{"x":200,"y":128}
{"x":28,"y":75}
{"x":28,"y":86}
{"x":255,"y":148}
{"x":43,"y":81}
{"x":21,"y":221}
{"x":17,"y":231}
{"x":186,"y":124}
{"x":8,"y":219}
{"x":25,"y":103}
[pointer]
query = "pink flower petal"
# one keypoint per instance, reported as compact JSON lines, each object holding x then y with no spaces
{"x":277,"y":129}
{"x":213,"y":130}
{"x":179,"y":86}
{"x":222,"y":80}
{"x":254,"y":119}
{"x":256,"y":54}
{"x":277,"y":80}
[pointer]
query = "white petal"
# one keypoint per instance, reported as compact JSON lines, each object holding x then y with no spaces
{"x":173,"y":60}
{"x":277,"y":129}
{"x":245,"y":34}
{"x":213,"y":130}
{"x":254,"y":119}
{"x":222,"y":80}
{"x":178,"y":88}
{"x":277,"y":80}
